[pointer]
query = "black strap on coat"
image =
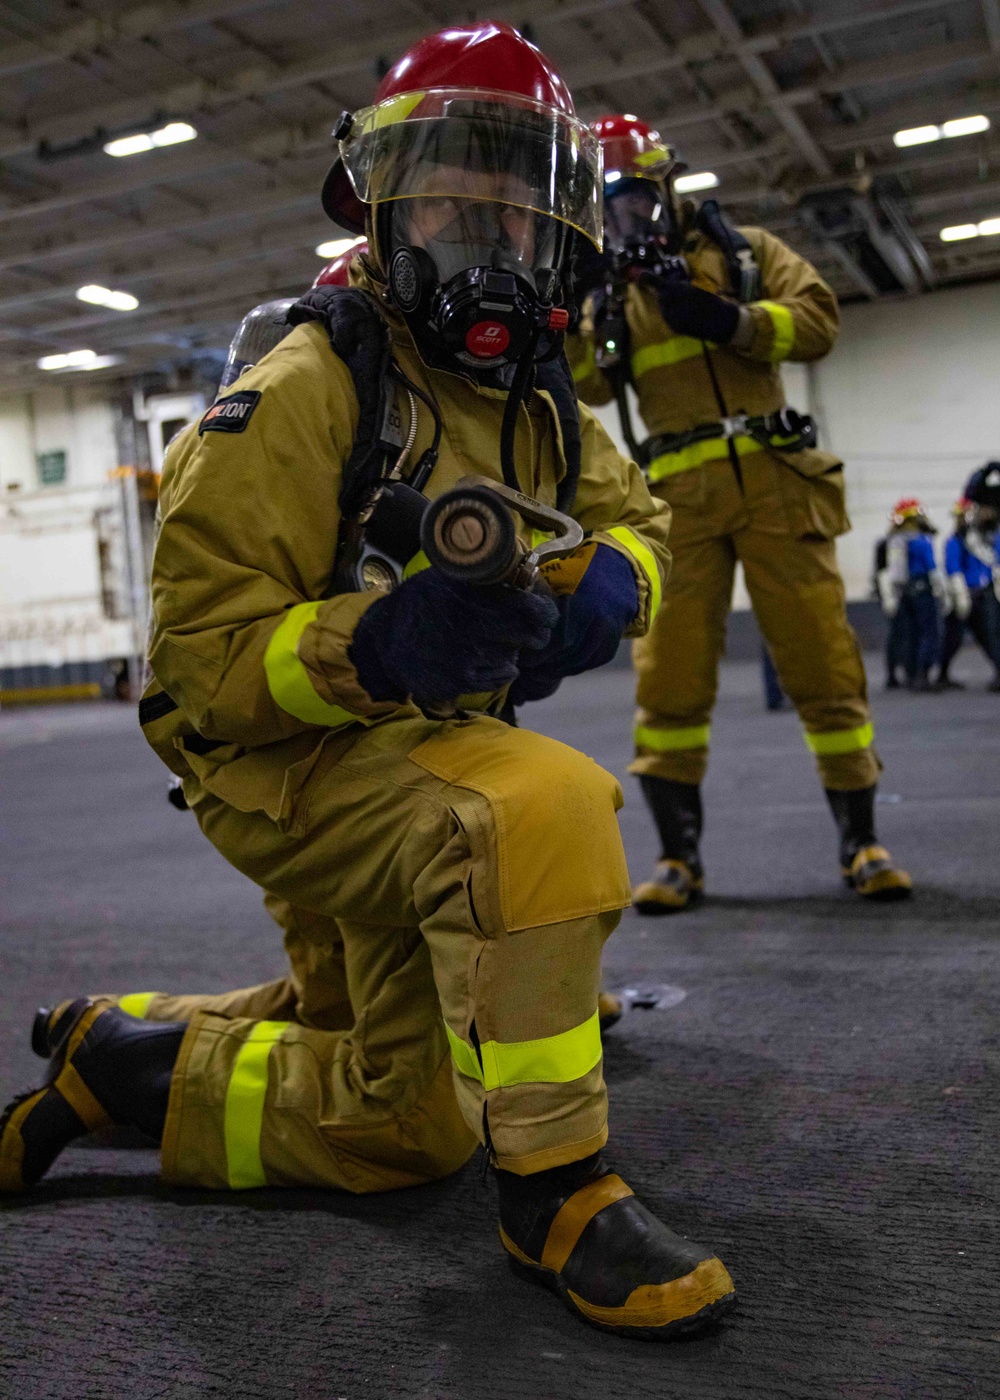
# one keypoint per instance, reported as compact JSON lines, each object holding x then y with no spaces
{"x":556,"y":378}
{"x":741,"y":261}
{"x":360,"y":337}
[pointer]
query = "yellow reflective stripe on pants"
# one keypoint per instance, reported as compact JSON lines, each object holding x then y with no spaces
{"x":670,"y":463}
{"x":840,"y":740}
{"x":287,"y":678}
{"x":663,"y":740}
{"x":784,"y":329}
{"x":643,"y":556}
{"x":586,"y":366}
{"x":554,"y":1059}
{"x":244,"y":1111}
{"x":136,"y":1003}
{"x":667,"y":352}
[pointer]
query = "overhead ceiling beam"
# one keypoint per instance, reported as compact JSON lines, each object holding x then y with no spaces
{"x":127,"y":234}
{"x":100,"y":33}
{"x":186,"y":99}
{"x":984,"y":98}
{"x":258,"y":80}
{"x":107,"y":31}
{"x":820,"y":24}
{"x":934,"y":58}
{"x":215,"y":260}
{"x":764,"y":80}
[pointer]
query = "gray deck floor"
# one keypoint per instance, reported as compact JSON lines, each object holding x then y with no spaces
{"x":821,"y":1106}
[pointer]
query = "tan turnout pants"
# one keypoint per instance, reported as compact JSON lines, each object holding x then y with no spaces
{"x":781,"y":528}
{"x":445,"y":890}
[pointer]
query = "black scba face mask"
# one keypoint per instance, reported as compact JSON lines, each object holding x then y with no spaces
{"x":640,"y":227}
{"x":477,"y":292}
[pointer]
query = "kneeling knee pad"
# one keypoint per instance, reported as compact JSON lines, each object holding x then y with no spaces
{"x":551,"y":847}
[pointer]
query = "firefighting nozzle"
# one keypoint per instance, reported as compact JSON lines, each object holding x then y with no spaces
{"x":468,"y":534}
{"x":258,"y":333}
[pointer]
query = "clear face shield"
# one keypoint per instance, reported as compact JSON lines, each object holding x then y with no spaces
{"x":477,"y":219}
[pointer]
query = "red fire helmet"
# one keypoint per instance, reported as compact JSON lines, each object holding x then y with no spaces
{"x":335,"y":274}
{"x":632,"y":149}
{"x":908,"y":508}
{"x":454,"y":95}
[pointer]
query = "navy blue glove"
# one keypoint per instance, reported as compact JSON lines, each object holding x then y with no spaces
{"x":435,"y":640}
{"x":692,"y":311}
{"x":590,"y":627}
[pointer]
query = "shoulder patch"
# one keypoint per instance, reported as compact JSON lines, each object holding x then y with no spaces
{"x":231,"y":414}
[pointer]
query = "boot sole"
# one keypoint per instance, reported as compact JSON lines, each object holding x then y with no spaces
{"x":886,"y":888}
{"x":665,"y":1332}
{"x":655,"y":908}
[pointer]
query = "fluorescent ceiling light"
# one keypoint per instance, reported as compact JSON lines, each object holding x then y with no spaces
{"x":917,"y":136}
{"x":700,"y":180}
{"x":168,"y":135}
{"x":610,"y":176}
{"x":77,"y":359}
{"x":958,"y":231}
{"x":103,"y":296}
{"x":965,"y":126}
{"x":958,"y":126}
{"x":173,"y":133}
{"x":72,"y":359}
{"x":989,"y":227}
{"x":336,"y":246}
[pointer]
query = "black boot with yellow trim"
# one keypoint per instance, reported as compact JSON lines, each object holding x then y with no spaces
{"x":106,"y":1069}
{"x":579,"y":1230}
{"x":867,"y":867}
{"x":678,"y":880}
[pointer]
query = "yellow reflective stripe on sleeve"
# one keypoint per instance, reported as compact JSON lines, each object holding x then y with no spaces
{"x":644,"y":557}
{"x":554,"y":1059}
{"x":136,"y":1003}
{"x":784,"y":329}
{"x":840,"y":740}
{"x":666,"y":352}
{"x":670,"y":463}
{"x":244,"y":1112}
{"x":417,"y":564}
{"x":586,"y":366}
{"x":663,"y":740}
{"x":287,"y":679}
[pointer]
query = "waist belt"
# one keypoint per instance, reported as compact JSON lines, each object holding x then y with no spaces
{"x":787,"y":430}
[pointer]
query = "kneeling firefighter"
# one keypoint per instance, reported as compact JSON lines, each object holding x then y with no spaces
{"x":696,"y":316}
{"x":446,"y":881}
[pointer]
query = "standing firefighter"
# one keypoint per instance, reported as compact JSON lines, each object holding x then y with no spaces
{"x":697,"y":317}
{"x":910,"y":587}
{"x":446,"y":884}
